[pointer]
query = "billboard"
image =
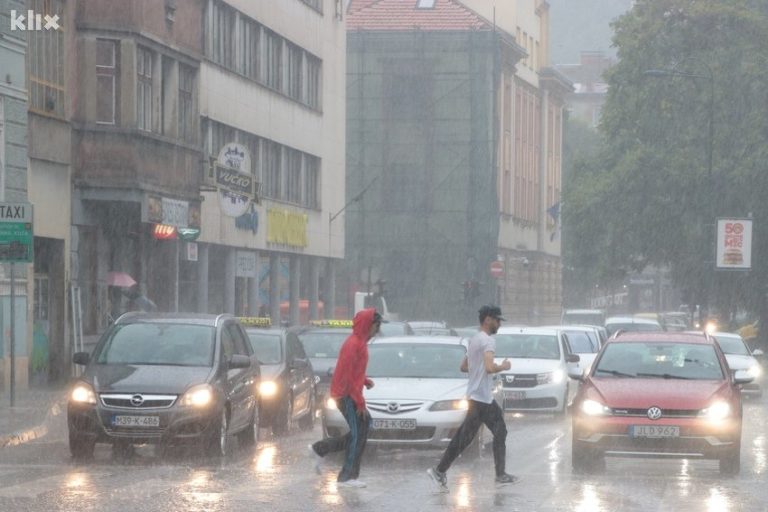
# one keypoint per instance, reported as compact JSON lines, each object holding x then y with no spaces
{"x":734,"y":244}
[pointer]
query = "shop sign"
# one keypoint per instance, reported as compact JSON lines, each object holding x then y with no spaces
{"x":734,"y":244}
{"x":164,"y":232}
{"x":245,"y":265}
{"x":188,"y":234}
{"x":16,"y":234}
{"x":232,"y":167}
{"x":175,"y":212}
{"x":191,"y":251}
{"x":286,"y":228}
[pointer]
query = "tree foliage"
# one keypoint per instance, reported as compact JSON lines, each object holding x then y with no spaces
{"x":649,"y":197}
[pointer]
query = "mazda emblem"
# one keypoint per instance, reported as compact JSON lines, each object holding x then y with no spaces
{"x":654,"y":413}
{"x":137,"y":400}
{"x":393,"y":406}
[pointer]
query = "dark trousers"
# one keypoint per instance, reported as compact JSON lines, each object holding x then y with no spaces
{"x":493,"y":418}
{"x":353,"y":441}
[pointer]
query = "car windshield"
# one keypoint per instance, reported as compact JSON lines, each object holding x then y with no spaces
{"x":583,"y":318}
{"x":734,"y":346}
{"x":416,"y":360}
{"x":267,"y":347}
{"x":323,"y":344}
{"x":583,"y":342}
{"x":633,"y":327}
{"x":688,"y":361}
{"x":158,"y":344}
{"x":432,"y":331}
{"x":527,"y":346}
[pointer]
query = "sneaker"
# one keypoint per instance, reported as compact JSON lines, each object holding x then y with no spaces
{"x":439,"y":478}
{"x":506,"y":479}
{"x":317,"y":458}
{"x":354,"y":484}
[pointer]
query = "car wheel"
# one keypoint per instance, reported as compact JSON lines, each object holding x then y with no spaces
{"x":281,"y":424}
{"x":730,"y":464}
{"x":81,"y":447}
{"x":218,"y":440}
{"x":583,"y":458}
{"x":250,"y":436}
{"x":307,"y":422}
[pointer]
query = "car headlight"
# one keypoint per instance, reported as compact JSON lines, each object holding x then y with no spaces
{"x":718,"y":411}
{"x":755,"y":371}
{"x":331,"y":404}
{"x":268,"y":388}
{"x":82,"y":393}
{"x":450,"y":405}
{"x":594,"y":408}
{"x":198,"y":396}
{"x":555,"y":377}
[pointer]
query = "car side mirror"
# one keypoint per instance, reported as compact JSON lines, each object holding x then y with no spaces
{"x":82,"y":358}
{"x":742,"y":377}
{"x":239,"y":361}
{"x":576,"y":373}
{"x":573,"y":358}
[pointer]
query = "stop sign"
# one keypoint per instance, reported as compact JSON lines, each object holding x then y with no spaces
{"x":497,"y":269}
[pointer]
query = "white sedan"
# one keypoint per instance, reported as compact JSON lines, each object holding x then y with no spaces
{"x":538,"y":379}
{"x":740,"y":358}
{"x":419,"y":393}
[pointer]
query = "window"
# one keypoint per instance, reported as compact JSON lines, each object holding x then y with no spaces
{"x":250,"y":47}
{"x":274,"y":58}
{"x":45,"y":60}
{"x":293,"y":169}
{"x":425,"y":4}
{"x":221,"y":41}
{"x":311,"y":181}
{"x":295,"y":67}
{"x":106,"y":81}
{"x":272,"y":170}
{"x":186,"y":103}
{"x":315,"y":4}
{"x":41,"y":297}
{"x":313,"y":82}
{"x":144,"y":89}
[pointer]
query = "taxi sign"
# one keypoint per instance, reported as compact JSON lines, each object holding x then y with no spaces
{"x":255,"y":321}
{"x":331,"y":323}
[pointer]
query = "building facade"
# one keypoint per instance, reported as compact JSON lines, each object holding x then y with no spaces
{"x":453,"y":110}
{"x":586,"y":102}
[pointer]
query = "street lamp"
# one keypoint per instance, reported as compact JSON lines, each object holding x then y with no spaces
{"x":355,"y":199}
{"x":710,"y":77}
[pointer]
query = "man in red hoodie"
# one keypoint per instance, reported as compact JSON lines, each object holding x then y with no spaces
{"x":347,"y":390}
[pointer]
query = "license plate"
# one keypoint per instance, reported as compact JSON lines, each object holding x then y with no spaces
{"x":400,"y":424}
{"x":654,"y":431}
{"x":514,"y":395}
{"x":136,"y":421}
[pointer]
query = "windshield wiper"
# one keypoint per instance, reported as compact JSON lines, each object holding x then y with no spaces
{"x":617,"y":373}
{"x":664,"y":376}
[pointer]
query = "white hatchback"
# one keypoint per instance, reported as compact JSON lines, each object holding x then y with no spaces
{"x":538,"y":379}
{"x":740,"y":358}
{"x":419,"y":394}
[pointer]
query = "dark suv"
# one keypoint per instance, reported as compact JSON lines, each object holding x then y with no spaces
{"x":287,"y":390}
{"x":166,"y":379}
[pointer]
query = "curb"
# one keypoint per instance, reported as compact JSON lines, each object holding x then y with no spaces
{"x":32,"y":433}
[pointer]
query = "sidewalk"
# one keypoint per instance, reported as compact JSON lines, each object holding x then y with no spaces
{"x":28,"y":418}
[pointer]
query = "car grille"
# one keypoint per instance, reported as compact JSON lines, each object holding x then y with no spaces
{"x":531,"y":403}
{"x":417,"y":434}
{"x":520,"y":381}
{"x":147,"y":433}
{"x":126,"y":401}
{"x":665,"y":413}
{"x":394,"y":407}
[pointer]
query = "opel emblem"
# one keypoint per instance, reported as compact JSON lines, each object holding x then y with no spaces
{"x":510,"y":379}
{"x":654,"y":413}
{"x":137,"y":400}
{"x":393,"y":406}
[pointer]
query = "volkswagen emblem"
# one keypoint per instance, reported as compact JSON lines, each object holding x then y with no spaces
{"x":393,"y":406}
{"x":654,"y":413}
{"x":510,"y":379}
{"x":137,"y":400}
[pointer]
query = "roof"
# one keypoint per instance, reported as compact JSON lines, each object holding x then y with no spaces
{"x":552,"y":331}
{"x":405,"y":15}
{"x":582,"y":328}
{"x":416,"y":340}
{"x":584,"y":311}
{"x":172,"y":318}
{"x":663,"y":337}
{"x":426,"y":324}
{"x":630,"y":320}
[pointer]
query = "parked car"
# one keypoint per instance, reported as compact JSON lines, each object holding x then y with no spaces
{"x":322,"y":340}
{"x":166,"y":379}
{"x":431,"y":329}
{"x":538,"y":378}
{"x":583,"y":317}
{"x":739,"y":357}
{"x":658,"y":394}
{"x":395,"y":329}
{"x":631,"y":324}
{"x":419,"y":396}
{"x":287,"y":389}
{"x":467,"y":332}
{"x":584,"y":341}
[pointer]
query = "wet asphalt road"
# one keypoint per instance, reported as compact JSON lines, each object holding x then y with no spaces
{"x":278,"y":476}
